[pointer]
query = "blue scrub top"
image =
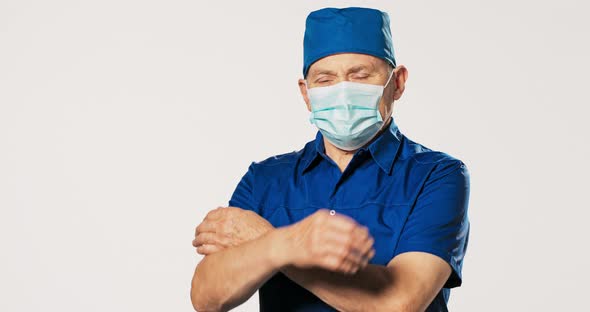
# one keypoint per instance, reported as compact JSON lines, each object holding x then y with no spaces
{"x":410,"y":197}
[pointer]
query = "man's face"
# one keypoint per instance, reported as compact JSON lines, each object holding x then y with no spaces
{"x":356,"y":67}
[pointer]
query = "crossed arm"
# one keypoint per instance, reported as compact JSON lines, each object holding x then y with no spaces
{"x":409,"y":282}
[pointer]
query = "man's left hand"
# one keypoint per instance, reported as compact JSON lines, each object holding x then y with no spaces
{"x":226,"y":227}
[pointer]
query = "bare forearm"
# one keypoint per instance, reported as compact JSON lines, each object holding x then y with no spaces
{"x":367,"y":290}
{"x":225,"y":279}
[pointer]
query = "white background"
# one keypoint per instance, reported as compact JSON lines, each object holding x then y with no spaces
{"x":123,"y":122}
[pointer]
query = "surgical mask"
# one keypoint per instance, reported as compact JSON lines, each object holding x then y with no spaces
{"x":347,"y":113}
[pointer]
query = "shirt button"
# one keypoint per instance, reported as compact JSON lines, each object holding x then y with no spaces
{"x":332,"y":212}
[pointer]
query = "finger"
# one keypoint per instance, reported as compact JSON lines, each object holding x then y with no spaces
{"x":355,"y":257}
{"x":344,"y":253}
{"x":358,"y":234}
{"x":211,"y":238}
{"x":364,"y":242}
{"x":345,"y":266}
{"x":331,"y":262}
{"x":359,"y":239}
{"x":206,"y":226}
{"x":367,"y":257}
{"x":343,"y":245}
{"x":337,"y":264}
{"x":352,"y":263}
{"x":359,"y":246}
{"x":208,"y":249}
{"x":214,"y":214}
{"x":368,"y":245}
{"x":371,"y":254}
{"x":203,"y":238}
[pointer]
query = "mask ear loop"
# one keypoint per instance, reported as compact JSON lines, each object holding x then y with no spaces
{"x":307,"y":90}
{"x":388,"y":79}
{"x":391,"y":110}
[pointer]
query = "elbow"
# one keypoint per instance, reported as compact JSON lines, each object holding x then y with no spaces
{"x":403,"y":306}
{"x":202,"y":301}
{"x":198,"y":305}
{"x":201,"y":304}
{"x":196,"y":299}
{"x":408,"y":308}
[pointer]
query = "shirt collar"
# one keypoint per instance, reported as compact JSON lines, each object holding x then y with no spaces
{"x":384,"y":149}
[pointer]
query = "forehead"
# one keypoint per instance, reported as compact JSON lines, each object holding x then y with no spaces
{"x":346,"y":61}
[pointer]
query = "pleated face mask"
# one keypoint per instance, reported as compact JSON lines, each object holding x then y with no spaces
{"x":347,"y":113}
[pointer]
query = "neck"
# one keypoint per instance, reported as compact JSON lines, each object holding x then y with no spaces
{"x":339,"y":156}
{"x":343,"y":157}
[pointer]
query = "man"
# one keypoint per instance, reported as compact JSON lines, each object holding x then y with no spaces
{"x":362,"y":218}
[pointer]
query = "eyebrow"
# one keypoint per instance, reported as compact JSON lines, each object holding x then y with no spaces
{"x":322,"y":72}
{"x":358,"y":68}
{"x":354,"y":69}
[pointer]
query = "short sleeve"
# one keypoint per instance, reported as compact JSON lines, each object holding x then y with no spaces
{"x":438,"y":223}
{"x":243,"y":195}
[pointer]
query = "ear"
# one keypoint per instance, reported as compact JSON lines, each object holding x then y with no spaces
{"x":401,"y":75}
{"x":303,"y":92}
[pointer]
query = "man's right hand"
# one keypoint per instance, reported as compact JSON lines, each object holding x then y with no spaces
{"x":334,"y":242}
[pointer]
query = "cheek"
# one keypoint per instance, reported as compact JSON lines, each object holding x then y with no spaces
{"x":308,"y":107}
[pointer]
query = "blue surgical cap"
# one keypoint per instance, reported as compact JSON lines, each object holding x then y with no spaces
{"x":347,"y":30}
